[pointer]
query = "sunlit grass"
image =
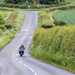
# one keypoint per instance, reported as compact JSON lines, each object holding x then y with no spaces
{"x":55,"y":46}
{"x":11,"y":25}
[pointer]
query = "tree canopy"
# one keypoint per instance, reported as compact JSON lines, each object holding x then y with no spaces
{"x":36,"y":1}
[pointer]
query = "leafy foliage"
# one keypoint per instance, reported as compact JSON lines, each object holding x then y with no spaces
{"x":35,"y":1}
{"x":56,"y":46}
{"x":1,"y":20}
{"x":45,"y":19}
{"x":51,"y":1}
{"x":9,"y":25}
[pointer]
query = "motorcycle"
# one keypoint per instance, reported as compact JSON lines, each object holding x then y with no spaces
{"x":21,"y":50}
{"x":21,"y":53}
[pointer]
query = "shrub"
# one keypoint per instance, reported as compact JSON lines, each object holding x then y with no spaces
{"x":1,"y":20}
{"x":8,"y":26}
{"x":46,"y":26}
{"x":60,"y":23}
{"x":56,"y":46}
{"x":1,"y":32}
{"x":45,"y":19}
{"x":2,"y":27}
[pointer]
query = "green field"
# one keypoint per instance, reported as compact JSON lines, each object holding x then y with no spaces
{"x":57,"y":17}
{"x":67,"y":16}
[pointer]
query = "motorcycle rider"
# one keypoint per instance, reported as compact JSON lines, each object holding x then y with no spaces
{"x":21,"y":50}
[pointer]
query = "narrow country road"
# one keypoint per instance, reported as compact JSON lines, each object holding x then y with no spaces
{"x":12,"y":64}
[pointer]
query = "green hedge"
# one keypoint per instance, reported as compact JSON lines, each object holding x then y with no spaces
{"x":55,"y":46}
{"x":24,"y":5}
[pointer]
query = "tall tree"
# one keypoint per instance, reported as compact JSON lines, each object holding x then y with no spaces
{"x":51,"y":1}
{"x":12,"y":1}
{"x":34,"y":2}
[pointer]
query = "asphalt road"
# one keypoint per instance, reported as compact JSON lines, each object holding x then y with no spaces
{"x":12,"y":64}
{"x":39,"y":68}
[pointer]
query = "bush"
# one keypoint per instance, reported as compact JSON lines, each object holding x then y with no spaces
{"x":56,"y":46}
{"x":8,"y":26}
{"x":60,"y":23}
{"x":13,"y":1}
{"x":46,"y":26}
{"x":2,"y":27}
{"x":45,"y":19}
{"x":1,"y":20}
{"x":1,"y":32}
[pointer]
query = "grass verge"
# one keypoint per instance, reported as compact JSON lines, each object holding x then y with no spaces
{"x":11,"y":26}
{"x":55,"y":46}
